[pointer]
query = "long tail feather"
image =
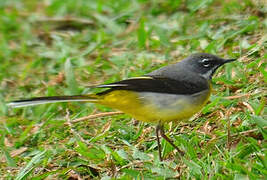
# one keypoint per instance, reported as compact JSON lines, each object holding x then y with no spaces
{"x":51,"y":99}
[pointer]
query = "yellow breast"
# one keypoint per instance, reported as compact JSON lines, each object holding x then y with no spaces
{"x":155,"y":107}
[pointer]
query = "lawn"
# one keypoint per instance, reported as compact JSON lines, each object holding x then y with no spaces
{"x":55,"y":47}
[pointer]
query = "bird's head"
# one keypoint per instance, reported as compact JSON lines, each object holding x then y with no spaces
{"x":204,"y":64}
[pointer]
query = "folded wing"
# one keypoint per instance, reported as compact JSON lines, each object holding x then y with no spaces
{"x":159,"y":85}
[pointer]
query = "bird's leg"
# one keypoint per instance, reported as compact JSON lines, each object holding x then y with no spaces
{"x":162,"y":133}
{"x":158,"y":140}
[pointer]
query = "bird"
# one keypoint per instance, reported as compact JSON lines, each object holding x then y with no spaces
{"x":172,"y":93}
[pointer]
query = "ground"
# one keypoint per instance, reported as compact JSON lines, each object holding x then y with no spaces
{"x":55,"y":47}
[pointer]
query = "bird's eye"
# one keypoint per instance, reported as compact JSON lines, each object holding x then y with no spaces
{"x":206,"y":62}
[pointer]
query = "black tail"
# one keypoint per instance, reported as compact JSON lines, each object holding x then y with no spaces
{"x":51,"y":99}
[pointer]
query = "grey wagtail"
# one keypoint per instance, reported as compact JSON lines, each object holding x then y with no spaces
{"x":172,"y":93}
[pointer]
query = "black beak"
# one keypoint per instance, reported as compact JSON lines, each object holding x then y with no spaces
{"x":222,"y":62}
{"x":228,"y":60}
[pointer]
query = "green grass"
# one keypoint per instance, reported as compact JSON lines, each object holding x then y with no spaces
{"x":62,"y":47}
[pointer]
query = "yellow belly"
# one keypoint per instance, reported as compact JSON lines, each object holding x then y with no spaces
{"x":153,"y":107}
